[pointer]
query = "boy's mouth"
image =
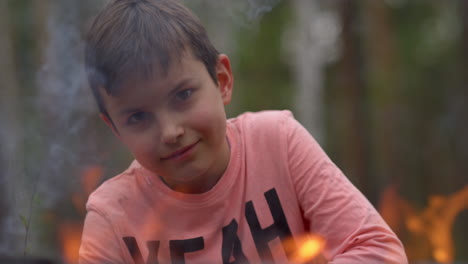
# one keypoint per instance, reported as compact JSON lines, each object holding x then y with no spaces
{"x":180,"y":152}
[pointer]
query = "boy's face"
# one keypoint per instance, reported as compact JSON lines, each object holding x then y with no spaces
{"x":175,"y":125}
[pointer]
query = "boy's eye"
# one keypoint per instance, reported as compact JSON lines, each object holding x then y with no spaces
{"x":184,"y":94}
{"x":137,"y":117}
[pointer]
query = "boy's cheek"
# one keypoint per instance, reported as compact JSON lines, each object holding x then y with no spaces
{"x":140,"y":150}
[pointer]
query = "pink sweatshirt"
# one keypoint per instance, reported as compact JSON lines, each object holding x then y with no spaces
{"x":279,"y":184}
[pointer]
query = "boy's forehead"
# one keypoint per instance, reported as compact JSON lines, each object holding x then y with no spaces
{"x":177,"y":70}
{"x":158,"y":67}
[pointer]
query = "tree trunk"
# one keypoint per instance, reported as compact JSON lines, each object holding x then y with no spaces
{"x":383,"y":90}
{"x":10,"y":133}
{"x":349,"y":107}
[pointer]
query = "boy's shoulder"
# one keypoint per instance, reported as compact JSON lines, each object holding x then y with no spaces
{"x":270,"y":127}
{"x":114,"y":189}
{"x":263,"y":118}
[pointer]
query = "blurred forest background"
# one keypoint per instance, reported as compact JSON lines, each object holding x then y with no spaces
{"x":381,"y":84}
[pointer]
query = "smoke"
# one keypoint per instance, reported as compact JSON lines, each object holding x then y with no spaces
{"x":60,"y":98}
{"x":257,"y":8}
{"x":313,"y":44}
{"x":55,"y":133}
{"x":247,"y":12}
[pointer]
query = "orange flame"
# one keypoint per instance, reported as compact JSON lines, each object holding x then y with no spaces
{"x":69,"y":232}
{"x":89,"y":180}
{"x":70,"y":240}
{"x":433,"y":223}
{"x":309,"y":247}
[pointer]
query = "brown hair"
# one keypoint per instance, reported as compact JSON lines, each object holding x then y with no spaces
{"x":135,"y":38}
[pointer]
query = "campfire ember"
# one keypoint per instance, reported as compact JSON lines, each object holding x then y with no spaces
{"x":306,"y":249}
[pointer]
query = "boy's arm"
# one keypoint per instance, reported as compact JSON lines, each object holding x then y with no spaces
{"x":99,"y":243}
{"x":353,"y":229}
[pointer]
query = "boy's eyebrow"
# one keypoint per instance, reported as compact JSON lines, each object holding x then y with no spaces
{"x":127,"y":111}
{"x":180,"y":85}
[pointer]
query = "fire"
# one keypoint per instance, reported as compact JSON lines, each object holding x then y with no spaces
{"x":307,"y":248}
{"x":310,"y":249}
{"x":90,"y":178}
{"x":414,"y":224}
{"x":70,"y":239}
{"x":433,"y":223}
{"x":69,"y":231}
{"x":441,"y":256}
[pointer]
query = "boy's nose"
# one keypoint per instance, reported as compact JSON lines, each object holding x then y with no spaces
{"x":171,"y":131}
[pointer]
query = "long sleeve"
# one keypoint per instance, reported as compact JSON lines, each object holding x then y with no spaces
{"x":336,"y":209}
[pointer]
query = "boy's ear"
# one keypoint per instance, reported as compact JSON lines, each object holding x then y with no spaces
{"x":225,"y":78}
{"x":110,"y":124}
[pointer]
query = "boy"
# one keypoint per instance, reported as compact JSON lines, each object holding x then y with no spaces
{"x":203,"y":189}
